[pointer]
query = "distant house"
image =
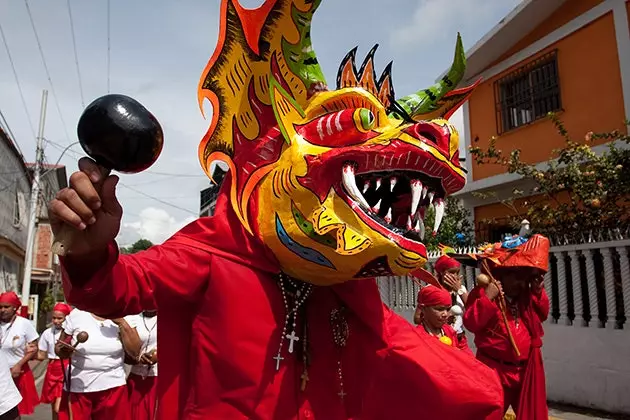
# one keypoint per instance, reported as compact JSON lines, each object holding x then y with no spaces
{"x":45,"y":273}
{"x":15,"y":189}
{"x":571,"y":57}
{"x":209,"y":195}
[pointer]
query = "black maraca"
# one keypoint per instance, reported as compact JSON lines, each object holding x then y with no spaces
{"x":119,"y":134}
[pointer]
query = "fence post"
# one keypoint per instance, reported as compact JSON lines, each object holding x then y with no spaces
{"x":624,"y":267}
{"x":591,"y":279}
{"x":576,"y":281}
{"x":562,"y":290}
{"x":609,"y":286}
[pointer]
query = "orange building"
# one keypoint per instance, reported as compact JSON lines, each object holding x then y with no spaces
{"x":571,"y":57}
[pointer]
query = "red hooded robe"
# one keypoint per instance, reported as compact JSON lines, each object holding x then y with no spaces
{"x":523,"y":377}
{"x":221,"y":316}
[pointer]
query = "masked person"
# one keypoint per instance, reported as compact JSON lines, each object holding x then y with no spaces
{"x":53,"y":381}
{"x":18,"y":340}
{"x":269,"y":309}
{"x":519,"y":272}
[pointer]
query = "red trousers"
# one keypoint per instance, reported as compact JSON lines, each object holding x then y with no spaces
{"x":511,"y":378}
{"x":142,"y":396}
{"x":53,"y":382}
{"x":109,"y":404}
{"x":25,"y":383}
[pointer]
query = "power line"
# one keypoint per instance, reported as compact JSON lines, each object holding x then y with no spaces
{"x":76,"y":56}
{"x":108,"y":43}
{"x":17,"y":82}
{"x":5,"y":124}
{"x":166,"y":203}
{"x":41,"y":53}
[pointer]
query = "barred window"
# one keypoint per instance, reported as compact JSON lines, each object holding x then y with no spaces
{"x":528,"y":94}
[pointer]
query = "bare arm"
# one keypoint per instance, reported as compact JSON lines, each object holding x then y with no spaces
{"x":130,"y":339}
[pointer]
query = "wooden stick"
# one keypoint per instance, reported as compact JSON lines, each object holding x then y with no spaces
{"x":502,"y":307}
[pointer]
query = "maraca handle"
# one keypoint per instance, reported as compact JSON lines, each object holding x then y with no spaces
{"x":63,"y":238}
{"x":63,"y":241}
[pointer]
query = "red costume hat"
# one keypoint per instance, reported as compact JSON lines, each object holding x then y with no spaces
{"x":434,"y":296}
{"x":534,"y":253}
{"x":11,"y":298}
{"x":64,"y":308}
{"x":445,"y":263}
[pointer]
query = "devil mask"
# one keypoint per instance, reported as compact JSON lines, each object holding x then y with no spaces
{"x":335,"y":183}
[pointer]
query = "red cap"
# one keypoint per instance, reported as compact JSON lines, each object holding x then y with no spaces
{"x":11,"y":298}
{"x":446,"y":263}
{"x":64,"y":308}
{"x":434,"y":296}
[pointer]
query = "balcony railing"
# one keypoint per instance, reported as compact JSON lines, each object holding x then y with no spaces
{"x":588,"y":285}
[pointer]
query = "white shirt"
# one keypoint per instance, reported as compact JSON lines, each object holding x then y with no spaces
{"x":97,"y":364}
{"x":47,"y":342}
{"x":459,"y":320}
{"x":14,"y":337}
{"x":147,"y":331}
{"x":10,"y":395}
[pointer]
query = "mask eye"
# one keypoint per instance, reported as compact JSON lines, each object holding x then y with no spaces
{"x":341,"y":128}
{"x":364,"y":119}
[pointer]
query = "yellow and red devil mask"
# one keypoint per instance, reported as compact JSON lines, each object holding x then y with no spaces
{"x":335,"y":182}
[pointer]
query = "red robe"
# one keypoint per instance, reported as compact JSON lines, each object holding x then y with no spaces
{"x":522,"y":377}
{"x":452,"y":334}
{"x":221,"y":315}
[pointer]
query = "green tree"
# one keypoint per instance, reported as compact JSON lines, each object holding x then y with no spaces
{"x":139,"y":245}
{"x":455,"y":230}
{"x":578,"y":194}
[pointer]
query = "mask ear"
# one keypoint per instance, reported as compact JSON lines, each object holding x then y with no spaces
{"x":285,"y":108}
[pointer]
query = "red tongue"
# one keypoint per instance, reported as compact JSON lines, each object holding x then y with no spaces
{"x":425,"y":276}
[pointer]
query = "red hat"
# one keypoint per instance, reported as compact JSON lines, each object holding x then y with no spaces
{"x":64,"y":308}
{"x":534,"y":253}
{"x":446,"y":263}
{"x":434,"y":296}
{"x":11,"y":298}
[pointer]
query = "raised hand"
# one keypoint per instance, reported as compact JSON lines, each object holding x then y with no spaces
{"x":493,"y":290}
{"x":87,"y":214}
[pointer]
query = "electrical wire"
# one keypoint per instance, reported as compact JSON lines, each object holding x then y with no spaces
{"x":52,"y":86}
{"x":108,"y":44}
{"x":17,"y":81}
{"x":76,"y":55}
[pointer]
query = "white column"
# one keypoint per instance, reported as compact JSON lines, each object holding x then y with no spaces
{"x":591,"y":279}
{"x":562,"y":290}
{"x":576,"y":282}
{"x":609,"y":285}
{"x":624,"y":266}
{"x":549,"y":290}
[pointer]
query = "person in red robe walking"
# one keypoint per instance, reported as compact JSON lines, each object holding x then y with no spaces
{"x":53,"y":381}
{"x":519,"y":272}
{"x":18,"y":342}
{"x":432,"y":312}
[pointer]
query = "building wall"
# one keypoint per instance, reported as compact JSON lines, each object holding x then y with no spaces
{"x":591,"y":93}
{"x":43,"y":257}
{"x":14,"y":196}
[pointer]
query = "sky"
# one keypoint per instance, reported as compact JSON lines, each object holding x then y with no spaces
{"x":158,"y":49}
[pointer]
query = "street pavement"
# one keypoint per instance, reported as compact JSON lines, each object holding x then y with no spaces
{"x":42,"y":412}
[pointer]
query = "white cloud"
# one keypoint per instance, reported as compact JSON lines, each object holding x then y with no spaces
{"x":154,"y":224}
{"x":435,"y":21}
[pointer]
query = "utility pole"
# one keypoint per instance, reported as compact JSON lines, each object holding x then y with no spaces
{"x":32,"y":215}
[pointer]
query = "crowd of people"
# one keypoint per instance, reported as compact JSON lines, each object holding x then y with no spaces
{"x":86,"y":376}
